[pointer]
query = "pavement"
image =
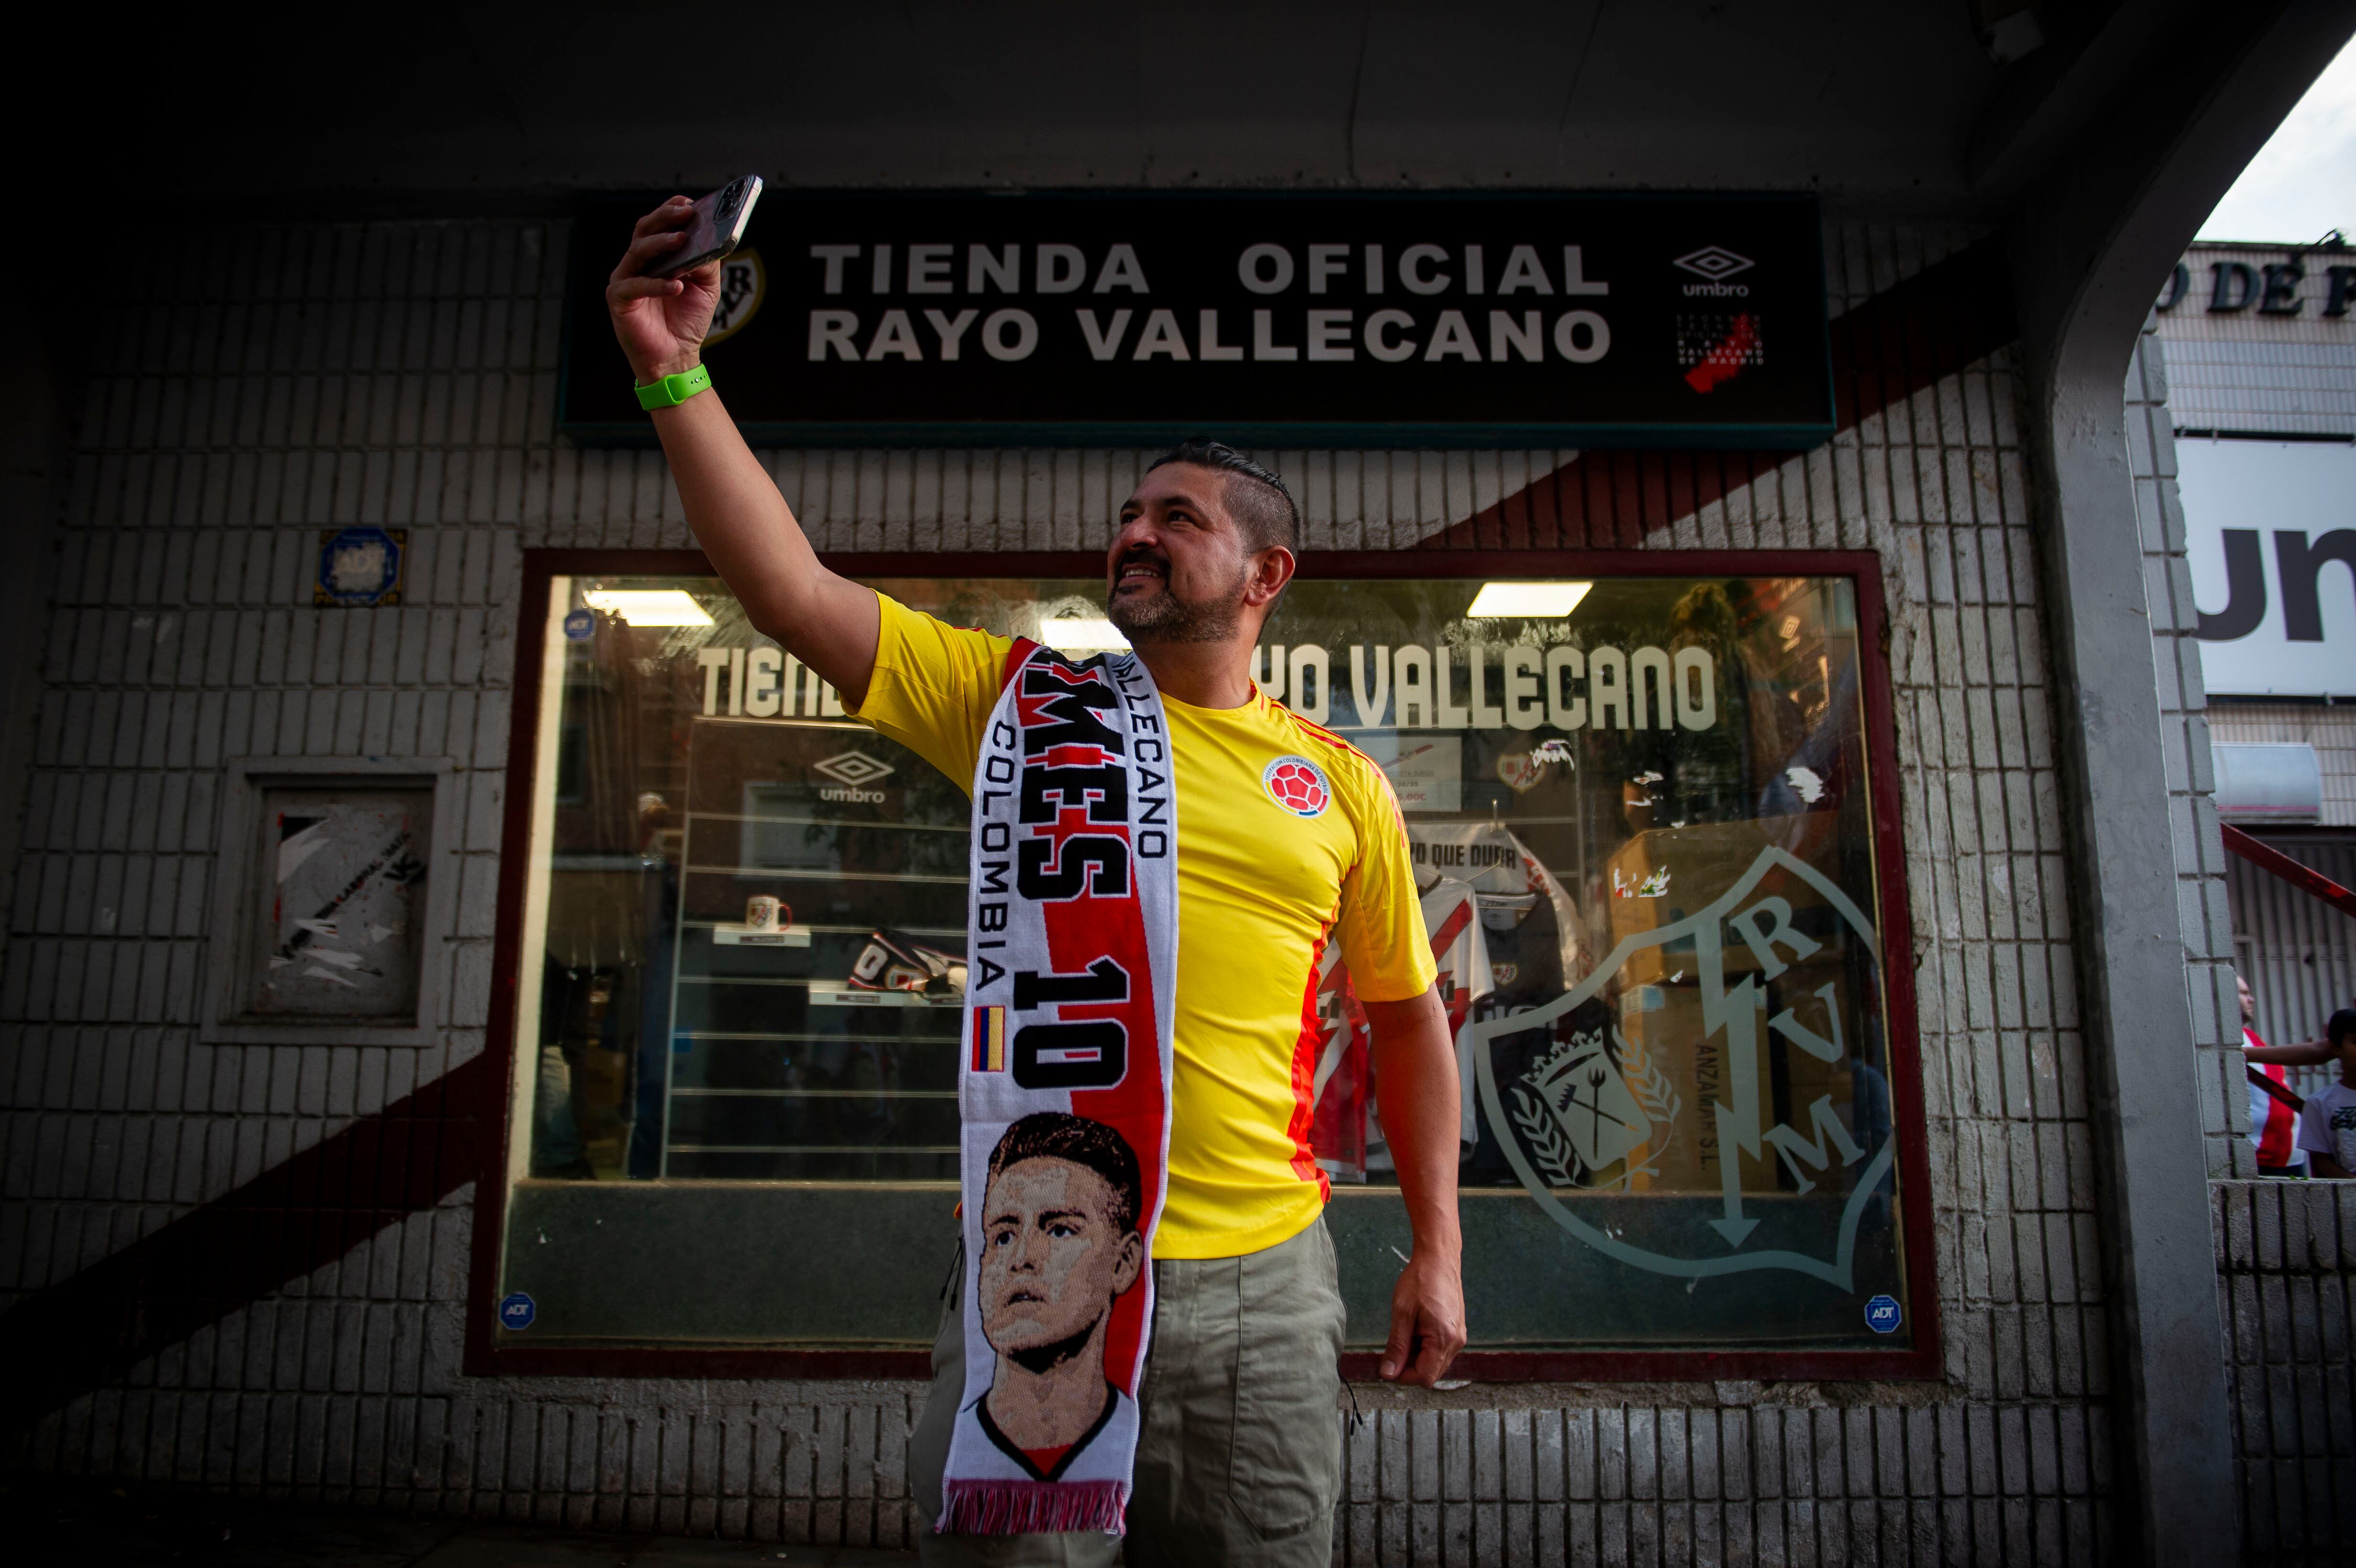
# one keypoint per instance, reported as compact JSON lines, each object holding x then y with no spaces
{"x":63,"y":1522}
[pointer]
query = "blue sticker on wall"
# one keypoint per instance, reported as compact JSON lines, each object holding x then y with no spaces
{"x":359,"y":567}
{"x":1882,"y":1315}
{"x":579,"y":624}
{"x":518,"y":1311}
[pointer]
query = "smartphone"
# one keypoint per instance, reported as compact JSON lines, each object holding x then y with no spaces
{"x":718,"y":225}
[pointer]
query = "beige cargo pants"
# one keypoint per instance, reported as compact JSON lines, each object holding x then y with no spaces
{"x":1239,"y":1458}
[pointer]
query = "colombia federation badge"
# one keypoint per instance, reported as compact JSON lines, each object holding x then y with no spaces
{"x":1297,"y":785}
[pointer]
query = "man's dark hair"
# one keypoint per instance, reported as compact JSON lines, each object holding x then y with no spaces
{"x":2341,"y":1025}
{"x":1257,"y":499}
{"x":1058,"y":1135}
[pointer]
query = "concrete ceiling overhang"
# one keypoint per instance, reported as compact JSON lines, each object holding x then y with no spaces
{"x":1890,"y":106}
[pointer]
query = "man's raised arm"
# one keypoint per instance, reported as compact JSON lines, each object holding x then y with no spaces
{"x":829,"y":622}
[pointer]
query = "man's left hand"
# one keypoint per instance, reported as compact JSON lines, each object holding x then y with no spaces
{"x":1427,"y":1320}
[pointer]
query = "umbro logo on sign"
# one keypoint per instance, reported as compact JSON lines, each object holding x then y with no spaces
{"x":1715,"y":263}
{"x":853,"y":769}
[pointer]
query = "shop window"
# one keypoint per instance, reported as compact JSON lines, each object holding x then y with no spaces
{"x":1652,"y":816}
{"x":571,"y":765}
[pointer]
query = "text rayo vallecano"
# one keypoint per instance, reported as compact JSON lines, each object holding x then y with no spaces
{"x":1114,"y":330}
{"x":1515,"y":686}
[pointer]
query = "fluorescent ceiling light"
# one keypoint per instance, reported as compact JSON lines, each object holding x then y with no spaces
{"x":1529,"y":601}
{"x":1076,"y":633}
{"x":649,"y":607}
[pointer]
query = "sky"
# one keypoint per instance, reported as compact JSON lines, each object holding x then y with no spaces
{"x":2303,"y":181}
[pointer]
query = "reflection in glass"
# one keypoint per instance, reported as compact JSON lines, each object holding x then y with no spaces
{"x":1639,"y":812}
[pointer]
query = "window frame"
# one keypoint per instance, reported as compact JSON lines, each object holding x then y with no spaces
{"x":225,"y":1019}
{"x":1921,"y":1360}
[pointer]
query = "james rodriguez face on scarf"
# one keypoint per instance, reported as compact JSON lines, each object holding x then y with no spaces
{"x":1060,"y":1245}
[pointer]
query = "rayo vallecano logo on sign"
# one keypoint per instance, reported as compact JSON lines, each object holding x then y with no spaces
{"x":743,"y":284}
{"x":853,"y":770}
{"x":1602,"y":1107}
{"x":1716,"y":264}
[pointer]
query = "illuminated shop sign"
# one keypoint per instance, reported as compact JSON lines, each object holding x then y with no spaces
{"x":1130,"y":319}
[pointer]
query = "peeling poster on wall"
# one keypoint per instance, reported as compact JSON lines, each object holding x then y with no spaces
{"x":342,"y":891}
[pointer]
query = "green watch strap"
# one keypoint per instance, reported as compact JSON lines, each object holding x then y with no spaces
{"x":673,"y":390}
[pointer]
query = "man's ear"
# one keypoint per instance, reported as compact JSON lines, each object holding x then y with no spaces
{"x":1272,"y":568}
{"x":1129,"y":1263}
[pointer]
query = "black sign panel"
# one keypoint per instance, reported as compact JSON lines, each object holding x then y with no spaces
{"x":1352,"y":320}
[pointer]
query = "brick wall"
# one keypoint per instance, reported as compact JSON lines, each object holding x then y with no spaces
{"x":252,"y":386}
{"x":2203,"y":908}
{"x":2285,"y":1252}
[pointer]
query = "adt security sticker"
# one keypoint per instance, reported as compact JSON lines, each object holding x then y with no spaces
{"x":1883,"y":1316}
{"x":359,"y":566}
{"x":518,"y":1311}
{"x":579,"y":624}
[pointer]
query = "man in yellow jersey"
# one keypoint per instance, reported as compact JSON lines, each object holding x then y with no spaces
{"x":1287,"y":840}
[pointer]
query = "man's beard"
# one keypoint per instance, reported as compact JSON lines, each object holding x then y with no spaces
{"x":1163,"y":617}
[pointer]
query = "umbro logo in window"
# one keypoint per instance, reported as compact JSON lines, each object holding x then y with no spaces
{"x":1716,"y":264}
{"x":853,"y":769}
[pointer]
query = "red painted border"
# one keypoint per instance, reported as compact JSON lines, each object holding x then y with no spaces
{"x":484,"y":1358}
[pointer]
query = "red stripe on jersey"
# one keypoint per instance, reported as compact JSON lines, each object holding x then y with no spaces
{"x":2274,"y":1141}
{"x":1456,"y":997}
{"x":1306,"y":1050}
{"x":1338,"y":742}
{"x":1446,"y":934}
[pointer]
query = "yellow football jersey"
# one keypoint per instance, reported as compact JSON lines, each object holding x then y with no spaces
{"x":1288,"y":838}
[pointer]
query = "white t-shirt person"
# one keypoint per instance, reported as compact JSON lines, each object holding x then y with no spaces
{"x":2328,"y":1128}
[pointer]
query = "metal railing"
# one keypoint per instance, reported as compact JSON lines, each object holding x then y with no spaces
{"x":2307,"y":879}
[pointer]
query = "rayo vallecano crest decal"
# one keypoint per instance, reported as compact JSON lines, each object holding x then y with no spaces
{"x":1598,"y":1107}
{"x":1592,"y":1104}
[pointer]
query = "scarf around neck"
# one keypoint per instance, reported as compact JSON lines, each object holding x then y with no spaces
{"x":1063,"y":1091}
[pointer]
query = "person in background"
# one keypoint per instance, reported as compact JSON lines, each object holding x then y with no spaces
{"x":2273,"y":1124}
{"x":2326,"y":1129}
